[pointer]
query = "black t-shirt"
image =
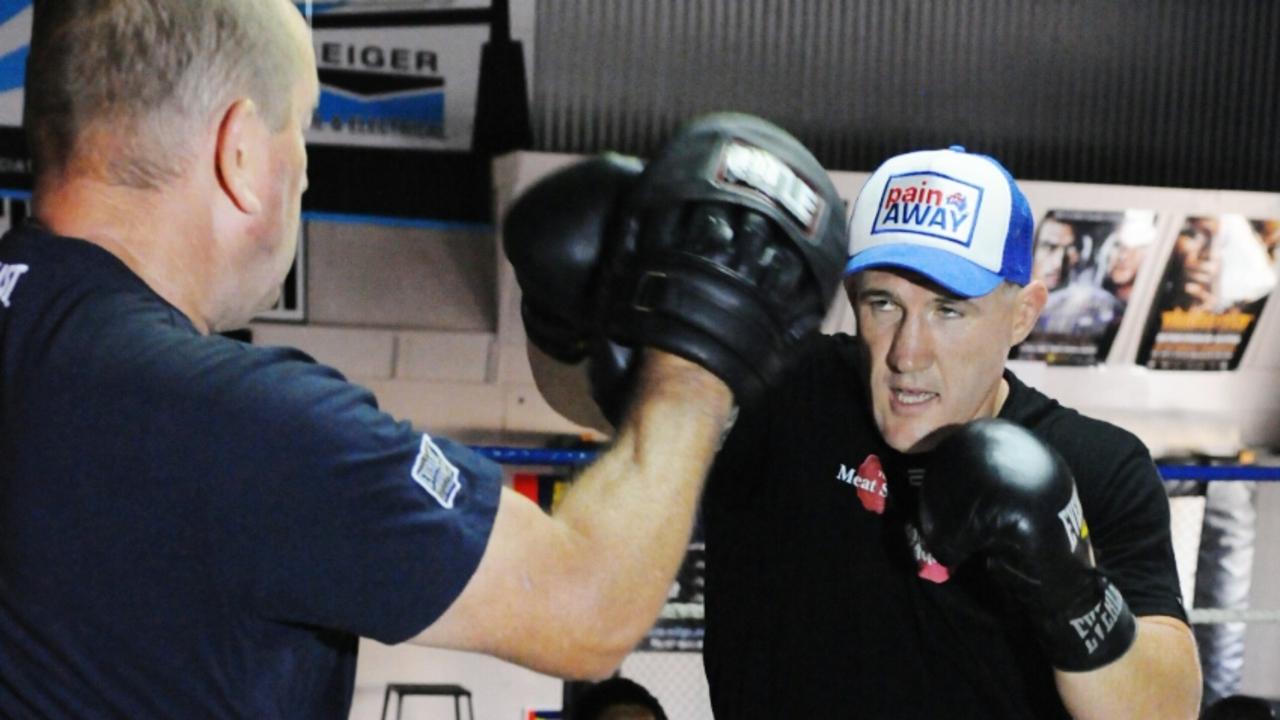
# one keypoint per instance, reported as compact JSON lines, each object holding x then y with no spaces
{"x":192,"y":527}
{"x":816,"y":604}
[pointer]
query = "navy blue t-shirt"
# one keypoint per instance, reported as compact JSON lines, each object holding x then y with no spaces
{"x":195,"y":527}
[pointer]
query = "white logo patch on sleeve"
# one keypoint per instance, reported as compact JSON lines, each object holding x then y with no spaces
{"x":433,"y":471}
{"x":9,"y":275}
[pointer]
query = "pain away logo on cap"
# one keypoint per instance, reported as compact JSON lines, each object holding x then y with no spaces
{"x":929,"y":203}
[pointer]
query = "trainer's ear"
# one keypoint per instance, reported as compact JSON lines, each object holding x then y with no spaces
{"x":1029,"y":302}
{"x":240,"y":154}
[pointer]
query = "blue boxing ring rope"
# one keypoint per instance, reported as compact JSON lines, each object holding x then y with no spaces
{"x":554,"y":457}
{"x":551,"y":457}
{"x":535,"y":456}
{"x":1256,"y":473}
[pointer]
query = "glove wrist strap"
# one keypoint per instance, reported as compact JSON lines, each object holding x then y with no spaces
{"x":1092,"y":632}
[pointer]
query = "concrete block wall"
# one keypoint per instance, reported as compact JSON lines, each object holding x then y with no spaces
{"x":412,"y":313}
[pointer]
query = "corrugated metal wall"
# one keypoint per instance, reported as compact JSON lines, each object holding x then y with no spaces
{"x":1153,"y":92}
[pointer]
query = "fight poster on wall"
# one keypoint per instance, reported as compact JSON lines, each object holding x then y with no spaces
{"x":1218,"y":278}
{"x":1090,"y":261}
{"x":681,"y":626}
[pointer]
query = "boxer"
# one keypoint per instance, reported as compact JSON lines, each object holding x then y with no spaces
{"x":901,"y":528}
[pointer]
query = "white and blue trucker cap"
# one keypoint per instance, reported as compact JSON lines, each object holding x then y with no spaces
{"x":952,"y":216}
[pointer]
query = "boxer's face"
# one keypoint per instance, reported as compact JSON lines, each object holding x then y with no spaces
{"x":935,"y":359}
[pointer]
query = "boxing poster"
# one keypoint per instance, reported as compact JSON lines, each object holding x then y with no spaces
{"x":1090,"y":261}
{"x":1220,"y":273}
{"x":680,"y":626}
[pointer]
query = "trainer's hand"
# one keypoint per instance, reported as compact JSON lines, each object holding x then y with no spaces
{"x":991,"y":488}
{"x":664,"y":377}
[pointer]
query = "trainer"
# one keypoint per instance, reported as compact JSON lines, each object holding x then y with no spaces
{"x":199,"y":528}
{"x":901,"y":529}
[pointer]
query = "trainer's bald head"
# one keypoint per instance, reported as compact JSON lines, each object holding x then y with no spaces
{"x":120,"y":90}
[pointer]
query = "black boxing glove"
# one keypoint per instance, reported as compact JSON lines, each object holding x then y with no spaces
{"x":992,"y":488}
{"x":732,"y":249}
{"x":555,"y":236}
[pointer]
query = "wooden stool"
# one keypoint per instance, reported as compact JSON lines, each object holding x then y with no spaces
{"x":403,"y":689}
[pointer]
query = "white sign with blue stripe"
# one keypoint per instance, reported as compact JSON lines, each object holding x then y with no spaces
{"x":398,"y":87}
{"x":15,"y":41}
{"x":386,"y":87}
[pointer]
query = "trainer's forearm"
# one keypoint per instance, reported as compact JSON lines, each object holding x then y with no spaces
{"x":570,"y":595}
{"x":1159,"y":677}
{"x":631,"y":513}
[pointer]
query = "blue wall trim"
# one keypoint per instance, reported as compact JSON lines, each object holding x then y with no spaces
{"x":387,"y":221}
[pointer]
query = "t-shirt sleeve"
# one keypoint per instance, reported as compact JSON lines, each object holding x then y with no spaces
{"x":1128,"y":516}
{"x":338,"y":515}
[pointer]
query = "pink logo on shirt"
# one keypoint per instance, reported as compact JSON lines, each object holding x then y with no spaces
{"x":873,"y":488}
{"x":927,"y":566}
